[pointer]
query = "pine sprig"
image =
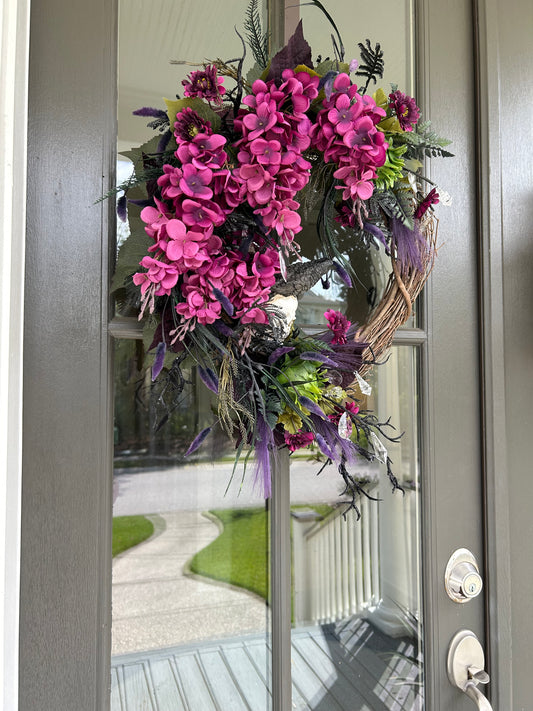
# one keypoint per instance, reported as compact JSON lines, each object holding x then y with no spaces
{"x":372,"y":65}
{"x":256,"y":38}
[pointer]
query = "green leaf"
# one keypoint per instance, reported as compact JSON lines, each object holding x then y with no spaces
{"x":174,"y":106}
{"x":391,"y":170}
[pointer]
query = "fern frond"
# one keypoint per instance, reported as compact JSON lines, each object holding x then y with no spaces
{"x":396,"y":203}
{"x":256,"y":38}
{"x":423,"y":141}
{"x":372,"y":65}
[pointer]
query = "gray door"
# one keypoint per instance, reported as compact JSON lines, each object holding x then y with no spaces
{"x":65,"y":618}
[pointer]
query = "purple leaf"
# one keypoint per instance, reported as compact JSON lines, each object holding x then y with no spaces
{"x":209,"y":378}
{"x":296,"y":51}
{"x":273,"y":357}
{"x":311,"y":406}
{"x":318,"y":357}
{"x":343,"y":274}
{"x":122,"y":210}
{"x":147,"y":111}
{"x":198,"y":441}
{"x":159,"y":359}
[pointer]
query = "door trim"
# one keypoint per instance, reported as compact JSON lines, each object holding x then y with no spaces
{"x":14,"y":33}
{"x":497,"y":563}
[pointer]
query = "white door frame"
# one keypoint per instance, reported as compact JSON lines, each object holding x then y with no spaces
{"x":14,"y":58}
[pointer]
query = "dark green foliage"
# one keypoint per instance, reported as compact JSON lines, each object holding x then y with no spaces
{"x":395,"y":204}
{"x":422,"y":142}
{"x":256,"y":38}
{"x":372,"y":65}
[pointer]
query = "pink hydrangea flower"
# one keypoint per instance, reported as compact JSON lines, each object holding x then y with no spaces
{"x":164,"y":276}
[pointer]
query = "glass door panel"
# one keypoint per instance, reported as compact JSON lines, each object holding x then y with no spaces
{"x":356,"y":640}
{"x":190,"y":569}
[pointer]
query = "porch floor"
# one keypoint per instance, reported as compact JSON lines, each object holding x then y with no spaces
{"x":350,"y":666}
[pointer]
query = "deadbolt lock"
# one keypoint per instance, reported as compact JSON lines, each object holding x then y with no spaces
{"x":462,"y":579}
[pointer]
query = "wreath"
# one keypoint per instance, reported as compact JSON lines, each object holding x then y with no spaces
{"x":219,"y":193}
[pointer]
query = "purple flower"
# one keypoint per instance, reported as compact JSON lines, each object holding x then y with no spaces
{"x":298,"y":440}
{"x":432,"y":198}
{"x":189,"y":124}
{"x":405,"y":109}
{"x":205,"y":85}
{"x":339,"y":324}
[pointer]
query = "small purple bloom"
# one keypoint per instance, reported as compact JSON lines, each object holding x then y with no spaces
{"x":147,"y":111}
{"x":223,"y":300}
{"x":318,"y":358}
{"x":205,"y":85}
{"x":432,"y":198}
{"x":189,"y":124}
{"x":405,"y":108}
{"x":311,"y":406}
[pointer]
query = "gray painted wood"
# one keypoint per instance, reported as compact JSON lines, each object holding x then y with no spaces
{"x":452,"y":481}
{"x":507,"y":219}
{"x":363,"y":673}
{"x":65,"y":571}
{"x":166,"y":690}
{"x":66,"y":499}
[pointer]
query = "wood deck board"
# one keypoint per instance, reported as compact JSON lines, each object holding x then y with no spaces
{"x":344,"y":667}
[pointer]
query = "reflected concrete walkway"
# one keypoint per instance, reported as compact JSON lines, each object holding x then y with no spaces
{"x":202,"y":486}
{"x":156,"y":605}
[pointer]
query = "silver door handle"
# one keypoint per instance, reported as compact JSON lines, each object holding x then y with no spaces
{"x":475,"y":694}
{"x":466,"y":662}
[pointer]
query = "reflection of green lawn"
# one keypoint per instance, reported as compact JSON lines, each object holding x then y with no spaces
{"x":239,"y":555}
{"x":129,"y":531}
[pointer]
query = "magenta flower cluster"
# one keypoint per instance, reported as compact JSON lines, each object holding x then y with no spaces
{"x":199,"y":194}
{"x":263,"y":170}
{"x":346,"y":133}
{"x":275,"y":132}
